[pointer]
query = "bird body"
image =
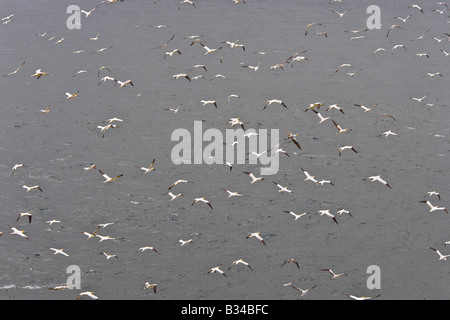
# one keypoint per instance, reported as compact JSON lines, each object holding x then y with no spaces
{"x":108,"y":179}
{"x":239,"y":261}
{"x":269,"y":102}
{"x":308,"y":176}
{"x":149,"y":169}
{"x":202,"y":199}
{"x":256,"y":235}
{"x":433,"y":207}
{"x":341,"y":149}
{"x":39,"y":73}
{"x":32,"y":188}
{"x":297,"y":216}
{"x":254,"y":179}
{"x":441,"y":256}
{"x":378,"y":178}
{"x":217,"y":270}
{"x":334,"y":276}
{"x":25,"y":214}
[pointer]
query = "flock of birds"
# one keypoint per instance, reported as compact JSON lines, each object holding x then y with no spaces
{"x":316,"y":109}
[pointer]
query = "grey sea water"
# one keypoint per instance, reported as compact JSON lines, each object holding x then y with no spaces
{"x":389,"y":228}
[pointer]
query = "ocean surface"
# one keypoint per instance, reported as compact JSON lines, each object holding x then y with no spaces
{"x":388,"y":228}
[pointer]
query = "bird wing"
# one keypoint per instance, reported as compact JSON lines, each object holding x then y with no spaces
{"x":105,"y":175}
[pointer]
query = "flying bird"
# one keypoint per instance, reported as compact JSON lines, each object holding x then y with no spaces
{"x":314,"y":106}
{"x":303,"y":291}
{"x":112,"y":120}
{"x":108,"y":178}
{"x":282,"y":189}
{"x":341,"y":149}
{"x":177,"y":183}
{"x":342,"y":66}
{"x":434,"y":193}
{"x":181,"y":75}
{"x":174,"y":196}
{"x":309,"y":177}
{"x":109,"y":256}
{"x":292,"y":260}
{"x":297,"y":216}
{"x":254,"y":68}
{"x":388,"y":115}
{"x":415,"y":6}
{"x":293,"y":138}
{"x":142,"y":249}
{"x":59,"y":251}
{"x":342,"y":211}
{"x":89,"y":294}
{"x":432,"y":75}
{"x":200,"y":66}
{"x":321,"y":117}
{"x":15,"y":71}
{"x":183,"y":242}
{"x":218,"y":270}
{"x":334,"y":276}
{"x":123,"y":83}
{"x":50,"y":222}
{"x":102,"y":68}
{"x":340,"y":14}
{"x":17,"y":166}
{"x":25,"y":214}
{"x":94,"y":38}
{"x":269,"y":102}
{"x":396,"y":47}
{"x":102,"y":49}
{"x":149,"y":169}
{"x":311,"y":25}
{"x":174,"y":110}
{"x":206,"y":102}
{"x":441,"y":256}
{"x":171,"y":53}
{"x":327,"y":213}
{"x":434,"y":208}
{"x":149,"y":285}
{"x":208,"y":50}
{"x":187,"y":2}
{"x":232,"y":193}
{"x":71,"y":95}
{"x":202,"y":199}
{"x":392,"y":28}
{"x":39,"y":73}
{"x":88,"y":13}
{"x":236,"y":122}
{"x":378,"y":178}
{"x":234,"y":44}
{"x":18,"y":232}
{"x":388,"y":133}
{"x":352,"y":74}
{"x":252,"y":176}
{"x":361,"y":298}
{"x":366,"y":109}
{"x":240,"y":261}
{"x":106,"y":78}
{"x":322,"y":182}
{"x":256,"y":235}
{"x":32,"y":188}
{"x":403,"y":19}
